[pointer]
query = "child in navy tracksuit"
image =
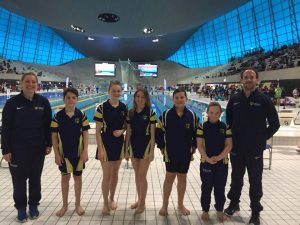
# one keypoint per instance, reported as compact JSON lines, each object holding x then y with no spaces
{"x":69,"y":129}
{"x":175,"y":136}
{"x":214,"y":143}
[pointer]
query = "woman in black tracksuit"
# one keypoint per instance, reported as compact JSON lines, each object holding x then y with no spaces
{"x":25,"y":140}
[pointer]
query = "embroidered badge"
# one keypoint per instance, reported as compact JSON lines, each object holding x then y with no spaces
{"x":254,"y":104}
{"x":38,"y":108}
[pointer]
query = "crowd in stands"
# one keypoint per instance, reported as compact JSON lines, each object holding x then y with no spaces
{"x":287,"y":56}
{"x":6,"y":66}
{"x":8,"y":86}
{"x":218,"y":92}
{"x":85,"y":89}
{"x":221,"y":92}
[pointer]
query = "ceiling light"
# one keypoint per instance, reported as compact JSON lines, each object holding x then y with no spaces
{"x":148,"y":30}
{"x":155,"y":40}
{"x":116,"y":37}
{"x":77,"y":28}
{"x":108,"y":17}
{"x":90,"y":38}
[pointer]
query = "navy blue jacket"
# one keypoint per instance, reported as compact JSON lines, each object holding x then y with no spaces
{"x":25,"y":123}
{"x":176,"y":136}
{"x":70,"y":132}
{"x":253,"y":121}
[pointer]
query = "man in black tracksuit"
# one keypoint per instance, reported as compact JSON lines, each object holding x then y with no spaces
{"x":248,"y":114}
{"x":25,"y":140}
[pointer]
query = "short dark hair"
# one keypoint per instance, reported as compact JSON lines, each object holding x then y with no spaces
{"x":211,"y":104}
{"x":250,"y":68}
{"x":179,"y":90}
{"x":72,"y":90}
{"x":114,"y":82}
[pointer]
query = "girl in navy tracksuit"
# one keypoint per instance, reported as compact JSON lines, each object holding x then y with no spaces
{"x":140,"y":142}
{"x":110,"y":120}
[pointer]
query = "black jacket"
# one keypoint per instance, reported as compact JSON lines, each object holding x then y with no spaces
{"x":25,"y":123}
{"x":253,"y":121}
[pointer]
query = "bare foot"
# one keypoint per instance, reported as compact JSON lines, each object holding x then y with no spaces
{"x":140,"y":209}
{"x":62,"y":211}
{"x":205,"y":216}
{"x":163,"y":211}
{"x":134,"y":205}
{"x":79,"y":210}
{"x":221,"y":216}
{"x":184,"y":211}
{"x":113,"y":205}
{"x":105,"y":210}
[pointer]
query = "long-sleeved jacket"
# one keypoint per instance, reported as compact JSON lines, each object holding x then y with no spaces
{"x":253,"y":121}
{"x":25,"y":123}
{"x":176,"y":136}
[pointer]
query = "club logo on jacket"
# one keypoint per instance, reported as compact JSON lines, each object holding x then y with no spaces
{"x":144,"y":117}
{"x":77,"y":120}
{"x":39,"y":108}
{"x":187,"y":126}
{"x":254,"y":104}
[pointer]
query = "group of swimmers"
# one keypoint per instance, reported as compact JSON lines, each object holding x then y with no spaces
{"x":27,"y":136}
{"x":177,"y":134}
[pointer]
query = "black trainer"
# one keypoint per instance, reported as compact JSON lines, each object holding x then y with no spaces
{"x":231,"y":209}
{"x":254,"y":220}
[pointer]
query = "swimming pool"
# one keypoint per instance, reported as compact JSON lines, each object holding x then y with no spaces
{"x":49,"y":95}
{"x":88,"y":103}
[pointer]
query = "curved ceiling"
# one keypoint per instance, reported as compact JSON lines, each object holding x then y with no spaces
{"x":173,"y":22}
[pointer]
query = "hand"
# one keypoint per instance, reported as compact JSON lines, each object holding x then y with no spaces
{"x":118,"y":133}
{"x":151,"y":156}
{"x":127,"y":156}
{"x":58,"y":159}
{"x":100,"y":155}
{"x":211,"y":161}
{"x":7,"y":157}
{"x":216,"y":158}
{"x":48,"y":150}
{"x":84,"y":156}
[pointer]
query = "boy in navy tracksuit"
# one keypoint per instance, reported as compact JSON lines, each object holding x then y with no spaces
{"x":214,"y":143}
{"x":175,"y":135}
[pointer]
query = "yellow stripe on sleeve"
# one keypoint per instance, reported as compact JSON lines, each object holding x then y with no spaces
{"x":199,"y":132}
{"x":85,"y":123}
{"x":153,"y":118}
{"x":98,"y":115}
{"x":160,"y":125}
{"x":54,"y":124}
{"x":228,"y":132}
